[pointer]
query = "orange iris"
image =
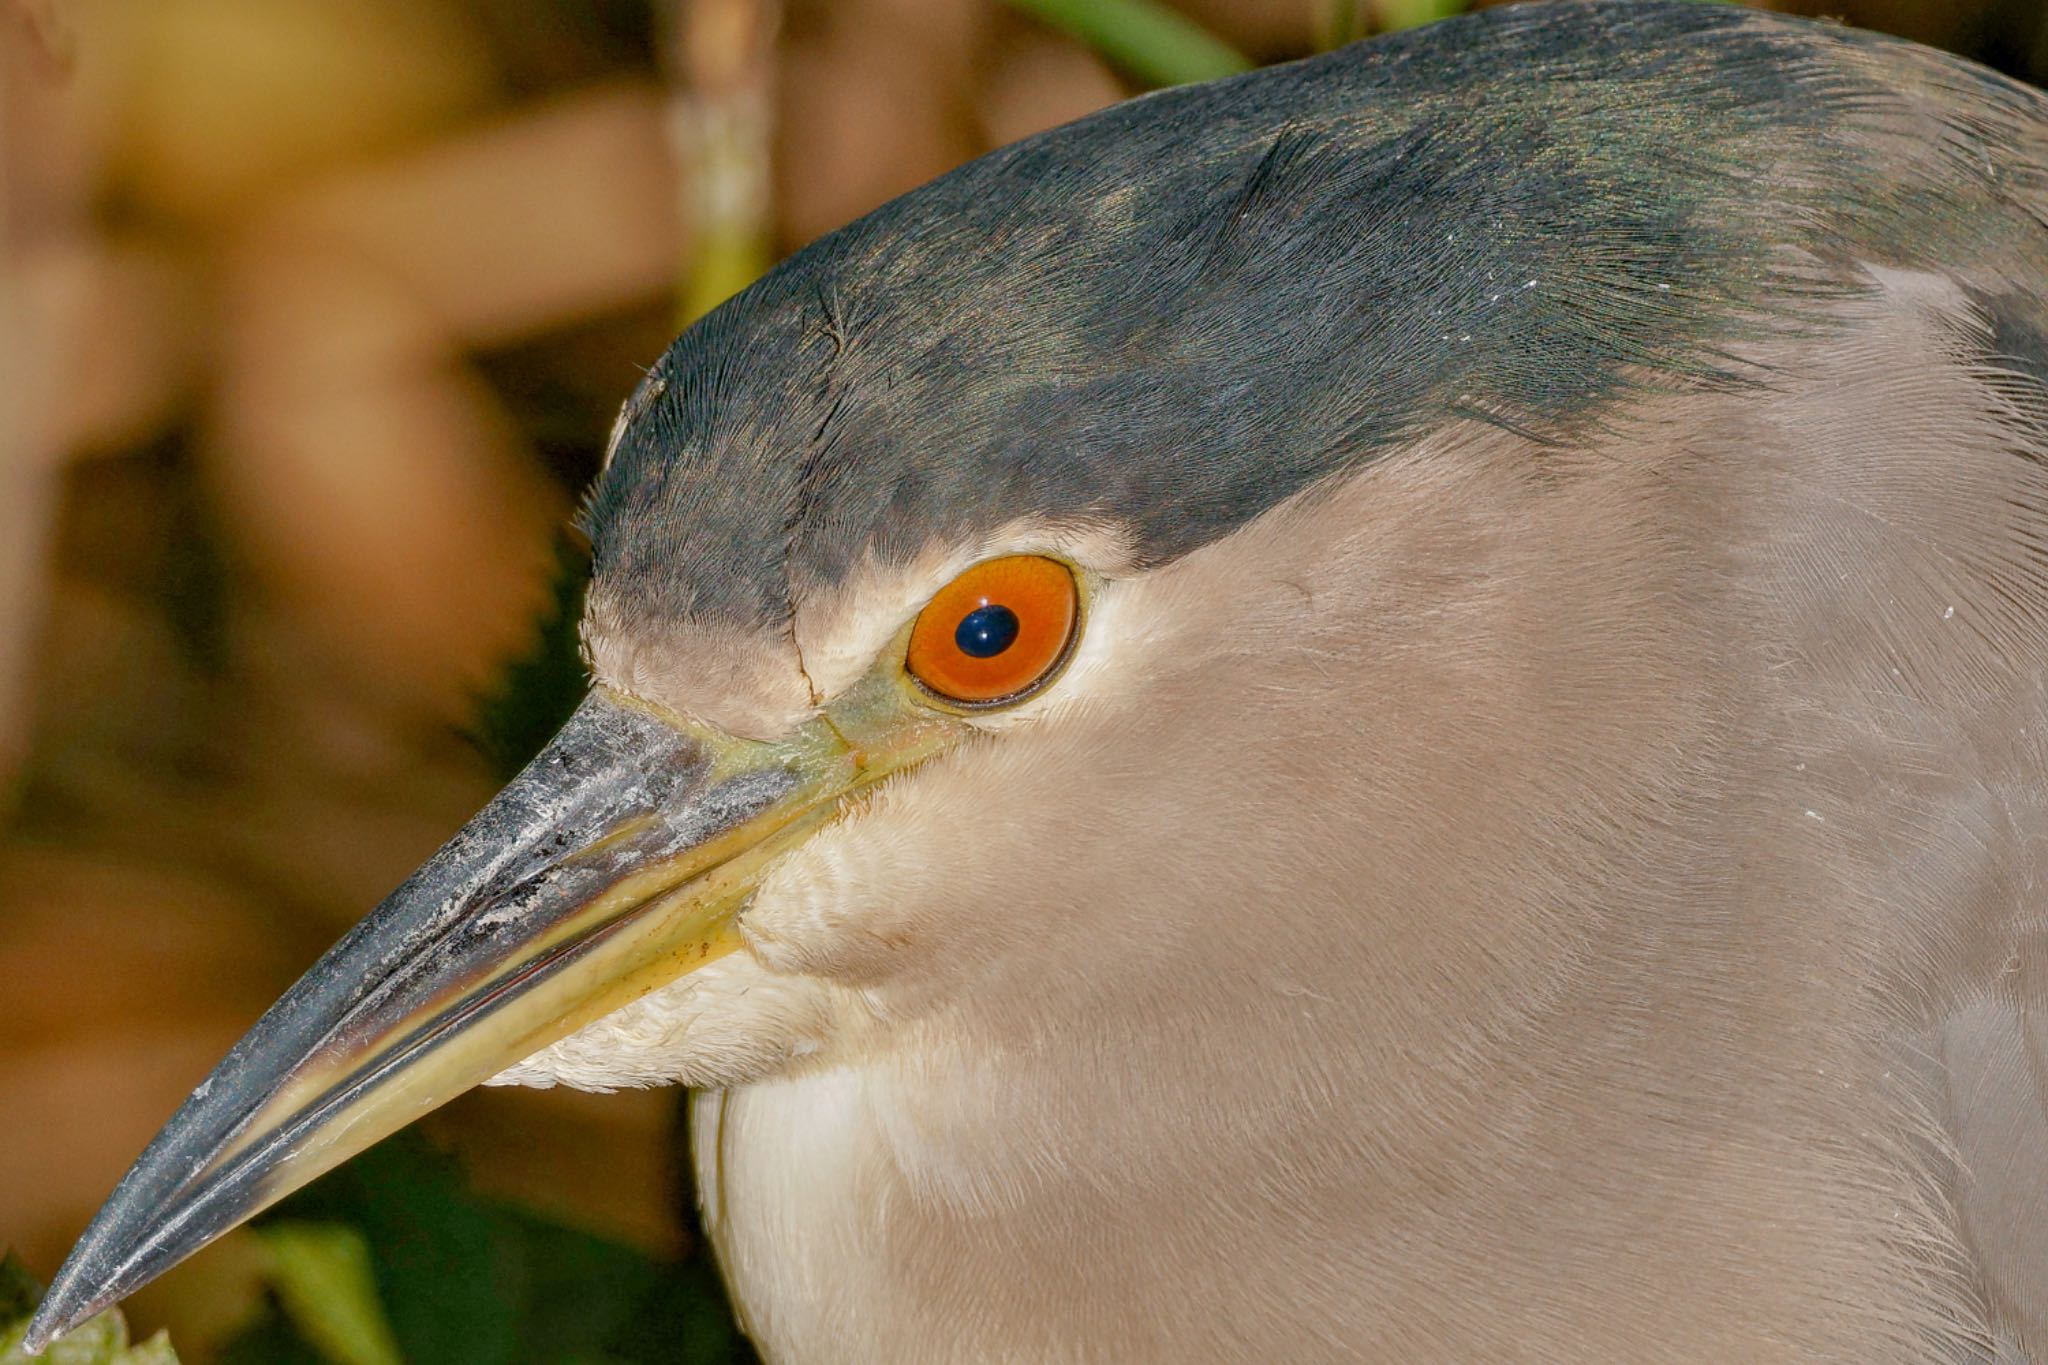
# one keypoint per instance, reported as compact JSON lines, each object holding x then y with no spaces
{"x":996,"y":631}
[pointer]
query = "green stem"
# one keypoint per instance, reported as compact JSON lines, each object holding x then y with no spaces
{"x":1146,"y":39}
{"x":1395,"y":14}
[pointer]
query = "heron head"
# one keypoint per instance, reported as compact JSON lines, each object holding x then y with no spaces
{"x":1171,"y":592}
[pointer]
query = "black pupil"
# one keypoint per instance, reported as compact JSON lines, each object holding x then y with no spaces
{"x":986,"y":631}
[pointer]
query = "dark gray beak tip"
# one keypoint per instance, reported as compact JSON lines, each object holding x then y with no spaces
{"x":54,"y":1317}
{"x":69,"y":1304}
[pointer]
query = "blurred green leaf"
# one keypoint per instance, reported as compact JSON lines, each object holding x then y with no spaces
{"x":101,"y":1341}
{"x":1399,"y":14}
{"x":1146,"y":39}
{"x":272,"y":1340}
{"x":18,"y":1289}
{"x":323,"y":1278}
{"x":465,"y":1280}
{"x":156,"y":1351}
{"x":1341,"y":22}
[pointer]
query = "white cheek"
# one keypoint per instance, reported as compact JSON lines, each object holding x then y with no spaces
{"x":725,"y":1024}
{"x":835,"y":890}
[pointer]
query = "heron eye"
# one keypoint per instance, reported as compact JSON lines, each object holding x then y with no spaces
{"x":997,"y":632}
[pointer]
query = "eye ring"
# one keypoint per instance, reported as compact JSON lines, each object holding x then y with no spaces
{"x":996,"y":634}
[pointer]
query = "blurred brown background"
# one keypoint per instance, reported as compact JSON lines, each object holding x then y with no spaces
{"x":313,"y":316}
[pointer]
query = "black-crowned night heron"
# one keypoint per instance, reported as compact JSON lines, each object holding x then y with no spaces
{"x":1395,"y":709}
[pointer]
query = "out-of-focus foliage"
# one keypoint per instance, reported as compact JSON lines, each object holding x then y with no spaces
{"x":463,"y":1279}
{"x":324,"y":1281}
{"x":1399,"y":14}
{"x":537,"y":690}
{"x":1149,"y":40}
{"x":101,"y":1341}
{"x":327,"y":308}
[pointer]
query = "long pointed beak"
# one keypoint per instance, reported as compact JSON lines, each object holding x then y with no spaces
{"x":613,"y":864}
